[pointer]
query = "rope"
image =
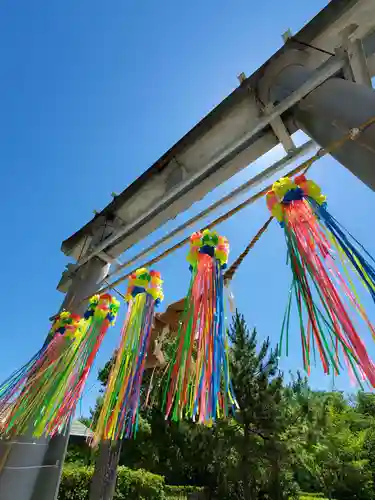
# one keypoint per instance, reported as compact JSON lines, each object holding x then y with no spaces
{"x":229,"y":273}
{"x":251,"y":183}
{"x":304,"y":166}
{"x":114,"y":289}
{"x":352,"y":134}
{"x":186,"y":240}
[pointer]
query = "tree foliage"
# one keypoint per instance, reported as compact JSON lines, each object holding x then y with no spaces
{"x":286,"y":438}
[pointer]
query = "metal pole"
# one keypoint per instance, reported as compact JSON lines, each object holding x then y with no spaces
{"x":329,"y":112}
{"x":32,"y":467}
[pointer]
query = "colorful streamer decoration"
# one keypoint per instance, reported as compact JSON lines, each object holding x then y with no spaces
{"x":199,"y":385}
{"x":120,"y":410}
{"x":41,"y":396}
{"x":324,"y":258}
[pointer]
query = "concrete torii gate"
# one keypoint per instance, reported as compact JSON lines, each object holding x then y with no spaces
{"x":319,"y":81}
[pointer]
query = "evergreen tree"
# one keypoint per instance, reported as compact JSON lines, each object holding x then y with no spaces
{"x":280,"y":437}
{"x":258,"y":386}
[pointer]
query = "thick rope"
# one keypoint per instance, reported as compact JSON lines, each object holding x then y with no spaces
{"x":351,"y":135}
{"x":229,"y":273}
{"x":186,"y":240}
{"x":191,"y":223}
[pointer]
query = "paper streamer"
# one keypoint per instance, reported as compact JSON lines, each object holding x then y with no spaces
{"x":325,"y":260}
{"x":199,"y":385}
{"x":41,"y":397}
{"x":120,"y":411}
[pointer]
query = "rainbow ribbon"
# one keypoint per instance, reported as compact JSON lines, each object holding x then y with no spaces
{"x":120,"y":410}
{"x":199,"y":385}
{"x":324,"y":258}
{"x":41,"y":397}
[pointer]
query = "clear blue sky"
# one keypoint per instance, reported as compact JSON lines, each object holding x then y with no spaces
{"x":92,"y":93}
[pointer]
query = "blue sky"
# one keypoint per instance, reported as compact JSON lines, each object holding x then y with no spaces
{"x":92,"y":93}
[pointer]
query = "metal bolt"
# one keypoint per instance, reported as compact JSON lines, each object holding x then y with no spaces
{"x":354,"y":132}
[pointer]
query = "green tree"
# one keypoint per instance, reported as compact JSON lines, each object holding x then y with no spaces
{"x":282,"y":438}
{"x":328,"y":438}
{"x":258,"y":386}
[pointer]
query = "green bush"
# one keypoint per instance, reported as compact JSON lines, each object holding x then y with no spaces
{"x":75,"y":482}
{"x":313,"y":496}
{"x":131,"y":484}
{"x":176,"y":491}
{"x":138,"y":485}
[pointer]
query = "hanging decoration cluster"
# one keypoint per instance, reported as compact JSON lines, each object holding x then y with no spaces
{"x":324,"y":258}
{"x":41,"y":396}
{"x":119,"y":414}
{"x":199,"y":384}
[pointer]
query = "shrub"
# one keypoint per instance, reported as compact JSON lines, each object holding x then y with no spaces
{"x":138,"y":485}
{"x":312,"y":496}
{"x":174,"y":492}
{"x":131,"y":484}
{"x":75,"y":482}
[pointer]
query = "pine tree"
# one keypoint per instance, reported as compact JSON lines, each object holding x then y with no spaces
{"x":258,"y":386}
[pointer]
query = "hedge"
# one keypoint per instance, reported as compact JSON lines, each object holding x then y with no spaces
{"x":180,"y":491}
{"x":131,"y":484}
{"x":312,"y":496}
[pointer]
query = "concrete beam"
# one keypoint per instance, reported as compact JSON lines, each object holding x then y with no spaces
{"x":163,"y":201}
{"x":235,"y":117}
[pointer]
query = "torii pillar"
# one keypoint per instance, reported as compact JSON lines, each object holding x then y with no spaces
{"x":31,"y":468}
